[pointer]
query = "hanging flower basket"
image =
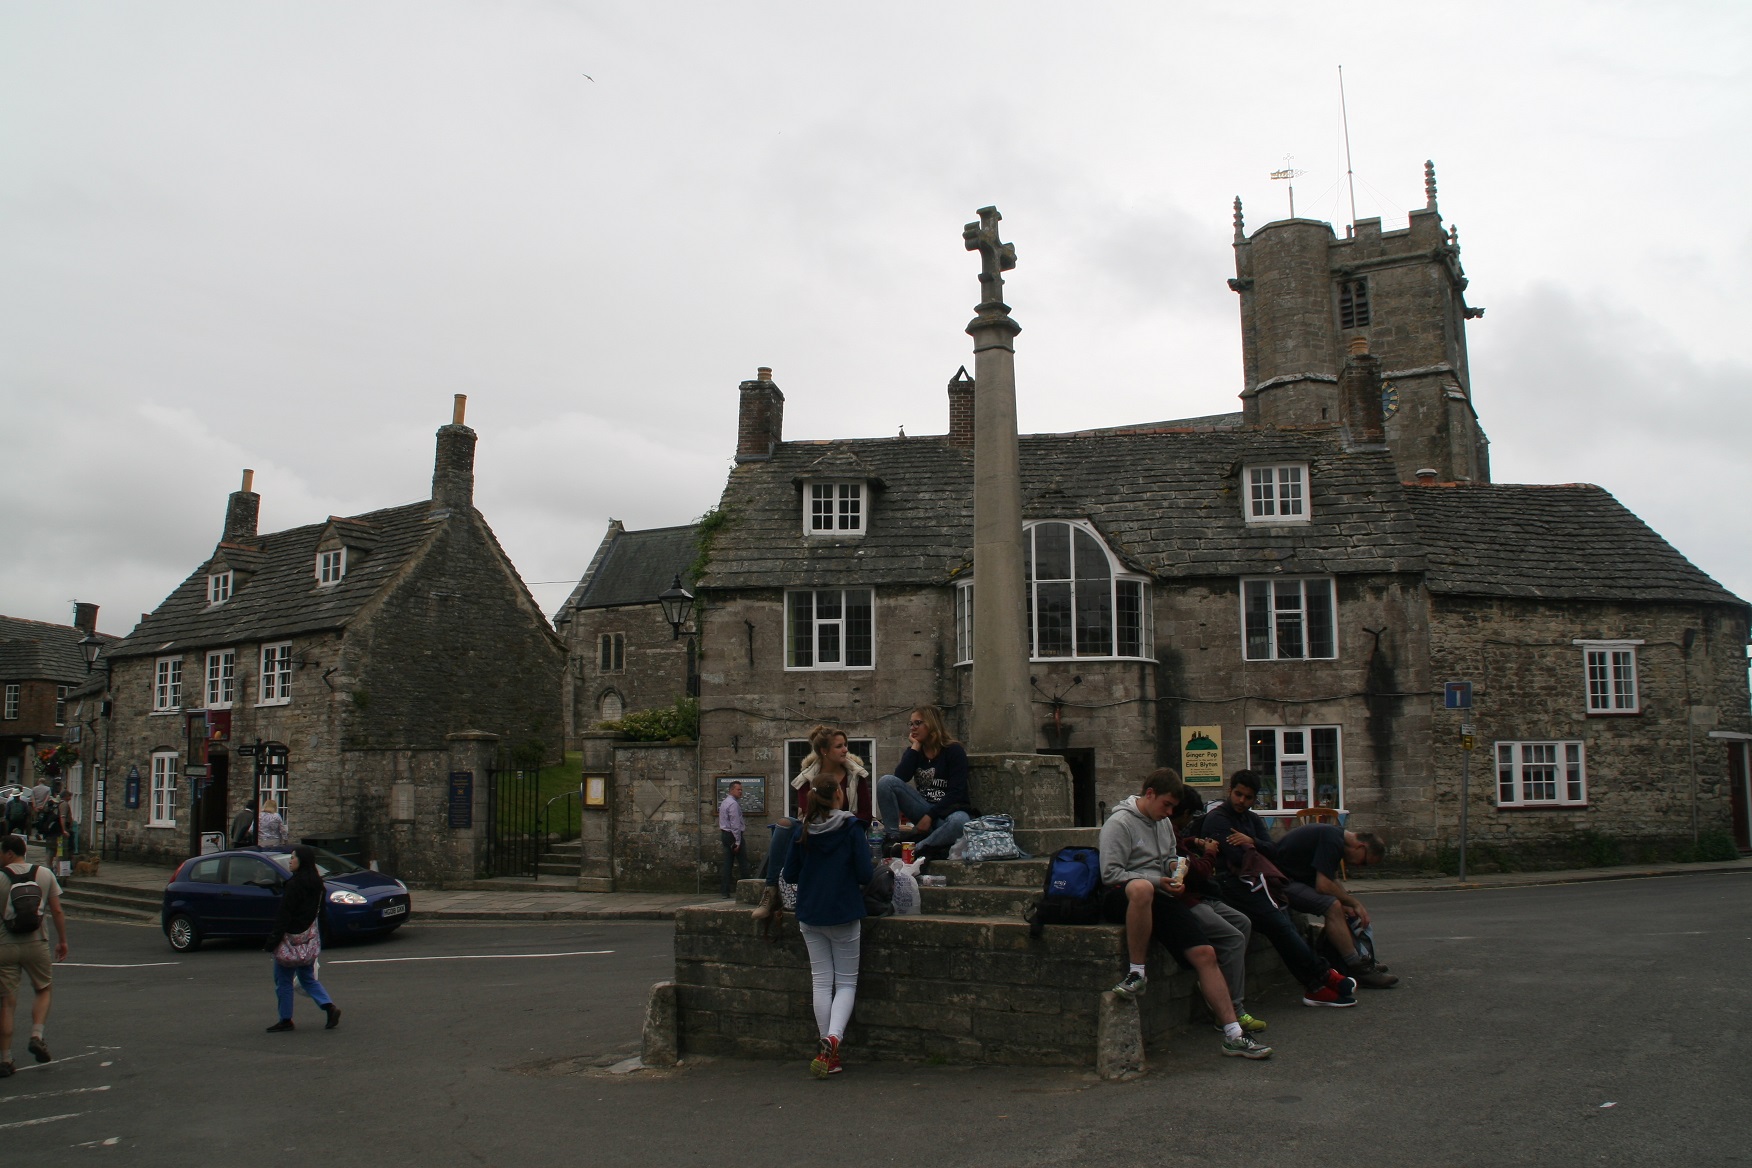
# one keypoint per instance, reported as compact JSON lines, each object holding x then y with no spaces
{"x":52,"y":760}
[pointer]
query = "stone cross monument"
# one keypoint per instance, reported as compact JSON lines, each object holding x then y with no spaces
{"x":1001,"y":720}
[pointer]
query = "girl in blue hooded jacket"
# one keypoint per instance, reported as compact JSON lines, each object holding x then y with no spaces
{"x":830,"y":864}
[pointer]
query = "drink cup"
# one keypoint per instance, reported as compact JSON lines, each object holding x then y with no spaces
{"x":906,"y":853}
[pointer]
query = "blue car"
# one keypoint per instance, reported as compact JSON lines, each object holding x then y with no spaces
{"x":237,"y":894}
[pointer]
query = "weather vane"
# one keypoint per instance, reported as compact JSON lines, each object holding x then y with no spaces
{"x":1289,"y":176}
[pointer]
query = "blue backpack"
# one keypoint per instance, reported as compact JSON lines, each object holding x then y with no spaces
{"x":1072,"y":892}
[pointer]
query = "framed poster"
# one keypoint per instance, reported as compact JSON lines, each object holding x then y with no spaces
{"x":753,"y":792}
{"x":596,"y":790}
{"x":461,"y":799}
{"x":1201,"y":754}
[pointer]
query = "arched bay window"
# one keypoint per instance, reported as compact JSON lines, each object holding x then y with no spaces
{"x":1082,"y":602}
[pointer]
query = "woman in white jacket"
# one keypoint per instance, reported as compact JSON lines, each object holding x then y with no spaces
{"x":829,"y":755}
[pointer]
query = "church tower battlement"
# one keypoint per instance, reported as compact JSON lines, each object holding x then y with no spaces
{"x":1306,"y":293}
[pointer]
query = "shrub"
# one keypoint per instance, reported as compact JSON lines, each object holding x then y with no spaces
{"x":1715,"y":845}
{"x":680,"y":722}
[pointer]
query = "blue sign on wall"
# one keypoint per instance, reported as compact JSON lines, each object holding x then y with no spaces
{"x":461,"y":798}
{"x":131,"y":792}
{"x":1457,"y":695}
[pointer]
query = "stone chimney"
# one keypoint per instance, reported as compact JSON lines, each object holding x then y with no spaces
{"x":453,"y":468}
{"x":961,"y":409}
{"x":242,"y":512}
{"x":760,"y":418}
{"x":1359,"y":397}
{"x":85,"y":617}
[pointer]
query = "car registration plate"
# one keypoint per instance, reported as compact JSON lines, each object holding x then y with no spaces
{"x":395,"y":910}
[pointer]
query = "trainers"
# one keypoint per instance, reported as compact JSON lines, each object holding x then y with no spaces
{"x":7,"y":1070}
{"x":1131,"y":985}
{"x":1338,"y":981}
{"x":826,"y":1058}
{"x":1327,"y":996}
{"x":1249,"y":1024}
{"x":1245,"y":1047}
{"x":40,"y":1051}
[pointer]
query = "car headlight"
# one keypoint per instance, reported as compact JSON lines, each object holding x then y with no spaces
{"x":342,"y":896}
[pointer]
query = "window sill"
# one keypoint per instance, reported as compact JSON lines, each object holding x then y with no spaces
{"x":1075,"y":660}
{"x":166,"y":824}
{"x":166,"y":713}
{"x":1614,"y":713}
{"x":830,"y":669}
{"x":219,"y":706}
{"x":1275,"y":660}
{"x":1279,"y":522}
{"x":833,"y":535}
{"x":1542,"y":806}
{"x":274,"y":702}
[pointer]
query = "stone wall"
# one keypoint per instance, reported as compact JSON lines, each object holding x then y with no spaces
{"x":657,"y":814}
{"x":402,"y":803}
{"x":654,"y":669}
{"x":958,"y":990}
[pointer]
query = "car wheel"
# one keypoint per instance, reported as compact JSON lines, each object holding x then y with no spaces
{"x":184,"y":934}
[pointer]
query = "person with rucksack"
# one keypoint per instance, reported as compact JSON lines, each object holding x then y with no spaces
{"x":1251,"y":883}
{"x":1314,"y":858}
{"x":830,"y":865}
{"x":52,"y":826}
{"x":30,"y":892}
{"x":1144,"y":877}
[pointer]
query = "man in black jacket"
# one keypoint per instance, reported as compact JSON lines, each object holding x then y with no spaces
{"x":1238,"y":830}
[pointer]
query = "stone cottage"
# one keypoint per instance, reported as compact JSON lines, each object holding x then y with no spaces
{"x":364,"y":672}
{"x":41,"y":664}
{"x":1289,"y":587}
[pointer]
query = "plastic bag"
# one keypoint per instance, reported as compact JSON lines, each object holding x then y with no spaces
{"x":906,"y":888}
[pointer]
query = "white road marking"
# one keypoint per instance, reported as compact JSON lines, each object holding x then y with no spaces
{"x":68,"y":1059}
{"x":52,"y":1094}
{"x":101,"y":965}
{"x":109,"y":1143}
{"x":43,"y":1120}
{"x":472,"y":957}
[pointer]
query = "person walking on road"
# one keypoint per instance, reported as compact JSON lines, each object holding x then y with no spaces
{"x":297,"y":925}
{"x":243,"y":825}
{"x":830,"y":864}
{"x":52,"y":823}
{"x":731,"y":829}
{"x":29,"y":890}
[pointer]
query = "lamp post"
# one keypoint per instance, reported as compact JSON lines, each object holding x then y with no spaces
{"x":91,"y":646}
{"x":677,"y":604}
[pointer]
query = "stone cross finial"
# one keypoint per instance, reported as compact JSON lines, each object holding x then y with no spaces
{"x":1429,"y":184}
{"x":1240,"y":227}
{"x":996,"y":257}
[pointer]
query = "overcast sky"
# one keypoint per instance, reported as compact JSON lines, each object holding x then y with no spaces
{"x":283,"y":235}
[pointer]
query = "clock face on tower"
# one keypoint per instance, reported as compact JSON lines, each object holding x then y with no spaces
{"x":1389,"y":399}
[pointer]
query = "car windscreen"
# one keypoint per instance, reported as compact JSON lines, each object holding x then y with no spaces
{"x":327,"y":863}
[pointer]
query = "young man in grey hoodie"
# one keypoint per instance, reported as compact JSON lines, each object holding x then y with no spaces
{"x":1138,"y":858}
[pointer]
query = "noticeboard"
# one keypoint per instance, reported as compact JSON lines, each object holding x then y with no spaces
{"x":1201,"y":754}
{"x":753,"y":792}
{"x":461,"y":799}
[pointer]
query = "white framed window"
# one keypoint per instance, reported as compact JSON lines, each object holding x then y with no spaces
{"x":10,"y":710}
{"x":61,"y":692}
{"x":276,"y":687}
{"x":1302,"y":765}
{"x":611,"y":652}
{"x":1277,"y":493}
{"x":964,"y":623}
{"x":1541,"y":774}
{"x":331,"y":566}
{"x":164,"y":782}
{"x":834,"y":508}
{"x":1081,"y":602}
{"x":610,"y":708}
{"x":221,"y":678}
{"x":218,"y":587}
{"x":278,"y":787}
{"x":167,"y":685}
{"x":1610,"y":669}
{"x":1288,"y":620}
{"x":830,"y":628}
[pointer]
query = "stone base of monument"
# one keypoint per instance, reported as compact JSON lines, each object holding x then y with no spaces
{"x":960,"y":983}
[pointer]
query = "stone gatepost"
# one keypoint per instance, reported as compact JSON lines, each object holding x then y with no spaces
{"x":470,"y":755}
{"x":596,"y":827}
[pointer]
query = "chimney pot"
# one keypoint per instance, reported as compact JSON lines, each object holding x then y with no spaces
{"x":248,"y":479}
{"x":1426,"y":477}
{"x":1357,"y":346}
{"x":85,"y":617}
{"x":458,"y":408}
{"x":764,"y":375}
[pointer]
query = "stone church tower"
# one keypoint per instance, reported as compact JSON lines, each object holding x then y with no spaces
{"x":1306,"y":295}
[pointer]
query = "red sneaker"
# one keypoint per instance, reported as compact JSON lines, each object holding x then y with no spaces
{"x":1327,"y":996}
{"x":1338,"y":981}
{"x":826,"y":1061}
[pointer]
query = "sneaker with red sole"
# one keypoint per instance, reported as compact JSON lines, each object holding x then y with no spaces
{"x":1327,"y":996}
{"x":1338,"y":981}
{"x":827,"y":1060}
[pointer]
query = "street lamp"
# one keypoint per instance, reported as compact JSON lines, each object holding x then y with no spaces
{"x":91,"y":646}
{"x":677,"y":605}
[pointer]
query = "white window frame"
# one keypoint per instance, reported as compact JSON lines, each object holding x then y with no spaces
{"x":1606,"y":667}
{"x":611,"y":653}
{"x":1117,"y":576}
{"x":167,"y":685}
{"x":964,"y":622}
{"x":161,"y":810}
{"x":1276,"y":493}
{"x":819,"y":625}
{"x":219,"y":587}
{"x":836,"y":507}
{"x":1276,"y":616}
{"x":1569,"y":772}
{"x":1304,"y":756}
{"x":331,"y":566}
{"x":277,"y":787}
{"x":221,"y":678}
{"x":61,"y":692}
{"x":14,"y":695}
{"x":276,"y":676}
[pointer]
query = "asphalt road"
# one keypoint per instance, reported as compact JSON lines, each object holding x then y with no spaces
{"x":1523,"y":1014}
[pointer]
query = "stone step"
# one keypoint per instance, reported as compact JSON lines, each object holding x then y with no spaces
{"x":88,"y":891}
{"x":596,"y":884}
{"x":548,"y":867}
{"x":1042,"y":842}
{"x":572,"y":848}
{"x":992,"y":873}
{"x":972,"y":900}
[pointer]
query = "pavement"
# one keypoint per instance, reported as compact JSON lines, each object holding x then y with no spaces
{"x":1599,"y":1023}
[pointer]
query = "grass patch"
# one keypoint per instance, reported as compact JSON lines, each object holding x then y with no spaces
{"x":552,"y":780}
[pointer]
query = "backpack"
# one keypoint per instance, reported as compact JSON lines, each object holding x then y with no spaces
{"x":49,"y":819}
{"x":1071,"y":894}
{"x":25,"y":898}
{"x":879,"y":893}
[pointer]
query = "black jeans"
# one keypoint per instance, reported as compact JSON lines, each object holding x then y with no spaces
{"x":1304,"y":964}
{"x":731,"y":853}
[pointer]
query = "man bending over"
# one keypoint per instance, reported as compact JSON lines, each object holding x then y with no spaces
{"x":1310,"y":857}
{"x":1138,"y":857}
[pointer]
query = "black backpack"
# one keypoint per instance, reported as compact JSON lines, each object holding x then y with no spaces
{"x":1071,"y":894}
{"x":26,"y":900}
{"x":879,"y":893}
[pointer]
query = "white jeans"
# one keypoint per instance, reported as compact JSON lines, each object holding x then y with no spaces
{"x":833,"y":963}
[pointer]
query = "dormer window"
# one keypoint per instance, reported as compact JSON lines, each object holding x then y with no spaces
{"x":834,"y":508}
{"x":331,"y":566}
{"x":1278,"y":493}
{"x":219,"y":587}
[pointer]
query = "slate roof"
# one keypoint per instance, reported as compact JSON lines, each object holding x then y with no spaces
{"x":1568,"y":542}
{"x":39,"y":651}
{"x":281,"y":597}
{"x":1165,"y":499}
{"x":634,"y":567}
